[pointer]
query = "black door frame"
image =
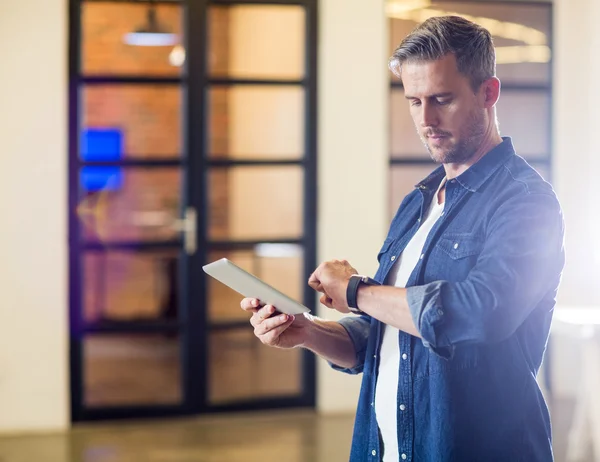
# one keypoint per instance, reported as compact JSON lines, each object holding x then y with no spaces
{"x":192,"y":324}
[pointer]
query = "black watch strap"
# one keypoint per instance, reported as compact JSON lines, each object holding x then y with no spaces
{"x":352,"y":290}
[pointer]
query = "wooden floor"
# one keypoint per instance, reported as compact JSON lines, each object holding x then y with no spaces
{"x":298,"y":436}
{"x":292,"y":436}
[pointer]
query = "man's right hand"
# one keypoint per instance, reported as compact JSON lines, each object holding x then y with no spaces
{"x":281,"y":330}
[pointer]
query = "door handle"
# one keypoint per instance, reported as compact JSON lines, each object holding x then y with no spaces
{"x":162,"y":219}
{"x":188,"y":226}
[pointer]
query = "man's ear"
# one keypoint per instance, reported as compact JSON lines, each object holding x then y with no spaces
{"x":491,"y":91}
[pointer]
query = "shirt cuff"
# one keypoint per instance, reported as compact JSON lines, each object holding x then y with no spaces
{"x":358,"y":329}
{"x":427,"y":311}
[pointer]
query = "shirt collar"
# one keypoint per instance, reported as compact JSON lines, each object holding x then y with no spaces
{"x":476,"y":175}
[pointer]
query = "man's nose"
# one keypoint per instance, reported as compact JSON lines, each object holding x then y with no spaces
{"x":429,"y":116}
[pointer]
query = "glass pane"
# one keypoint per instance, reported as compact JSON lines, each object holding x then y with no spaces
{"x":129,"y":204}
{"x":405,"y":140}
{"x":129,"y":286}
{"x":256,"y":122}
{"x":521,"y":33}
{"x":130,"y":121}
{"x":280,"y":265}
{"x":403,"y":180}
{"x":525,"y":117}
{"x":242,"y":368}
{"x":123,"y":370}
{"x":256,"y":203}
{"x":256,"y":41}
{"x":105,"y":27}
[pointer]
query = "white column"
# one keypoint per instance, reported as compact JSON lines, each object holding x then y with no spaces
{"x":33,"y":206}
{"x":353,"y":153}
{"x":576,"y":147}
{"x":593,"y":141}
{"x":576,"y":161}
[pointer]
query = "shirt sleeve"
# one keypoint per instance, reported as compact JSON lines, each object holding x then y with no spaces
{"x":520,"y":263}
{"x":358,"y":329}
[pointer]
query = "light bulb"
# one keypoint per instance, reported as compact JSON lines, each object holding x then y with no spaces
{"x":177,"y":56}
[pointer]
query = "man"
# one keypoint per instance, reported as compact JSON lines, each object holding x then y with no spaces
{"x":450,"y":344}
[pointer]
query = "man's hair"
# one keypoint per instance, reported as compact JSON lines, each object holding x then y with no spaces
{"x":438,"y":36}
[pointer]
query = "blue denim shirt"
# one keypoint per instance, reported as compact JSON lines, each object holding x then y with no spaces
{"x":482,"y":297}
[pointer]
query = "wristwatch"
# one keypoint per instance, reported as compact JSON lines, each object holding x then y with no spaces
{"x":352,"y":290}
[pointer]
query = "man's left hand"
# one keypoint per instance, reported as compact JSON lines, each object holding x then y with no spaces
{"x":331,"y":279}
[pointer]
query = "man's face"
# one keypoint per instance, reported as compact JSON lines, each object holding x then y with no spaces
{"x":449,"y":117}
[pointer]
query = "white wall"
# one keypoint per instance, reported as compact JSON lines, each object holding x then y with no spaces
{"x":576,"y":152}
{"x":353,"y":153}
{"x":576,"y":146}
{"x":33,"y":234}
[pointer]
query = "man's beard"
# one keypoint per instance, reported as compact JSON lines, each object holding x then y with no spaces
{"x":467,"y":145}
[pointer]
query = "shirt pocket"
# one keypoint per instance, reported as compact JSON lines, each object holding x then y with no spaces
{"x":454,"y":256}
{"x":461,"y":245}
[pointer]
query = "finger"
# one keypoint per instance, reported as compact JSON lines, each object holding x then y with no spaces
{"x":270,"y":323}
{"x":271,"y":338}
{"x":315,"y":284}
{"x":313,"y":281}
{"x":327,"y":301}
{"x":318,"y":288}
{"x":260,"y":315}
{"x":250,"y":304}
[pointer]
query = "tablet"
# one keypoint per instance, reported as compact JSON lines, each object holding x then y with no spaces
{"x":250,"y":286}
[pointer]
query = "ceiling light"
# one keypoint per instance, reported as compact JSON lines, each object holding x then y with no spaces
{"x":152,"y":33}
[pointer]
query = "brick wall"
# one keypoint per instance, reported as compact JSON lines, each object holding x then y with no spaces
{"x":151,"y":120}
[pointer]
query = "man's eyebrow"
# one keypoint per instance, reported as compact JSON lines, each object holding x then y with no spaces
{"x":436,"y":95}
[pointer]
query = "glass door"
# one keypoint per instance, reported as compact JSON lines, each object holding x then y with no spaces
{"x":259,"y":161}
{"x":132,"y":227}
{"x":192,"y":137}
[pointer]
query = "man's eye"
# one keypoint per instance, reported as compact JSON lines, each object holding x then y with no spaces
{"x":415,"y":103}
{"x":443,"y":102}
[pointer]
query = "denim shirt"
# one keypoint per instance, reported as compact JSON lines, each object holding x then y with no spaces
{"x":481,"y":297}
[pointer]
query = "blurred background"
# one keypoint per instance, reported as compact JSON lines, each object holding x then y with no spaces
{"x":144,"y":139}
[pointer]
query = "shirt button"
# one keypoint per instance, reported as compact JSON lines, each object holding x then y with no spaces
{"x":456,"y":246}
{"x":403,"y":456}
{"x":422,"y":256}
{"x":373,"y":452}
{"x":441,"y":312}
{"x":374,"y":356}
{"x":404,"y":356}
{"x":393,"y":257}
{"x":402,"y":407}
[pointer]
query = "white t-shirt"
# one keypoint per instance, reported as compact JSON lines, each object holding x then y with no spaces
{"x":386,"y":390}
